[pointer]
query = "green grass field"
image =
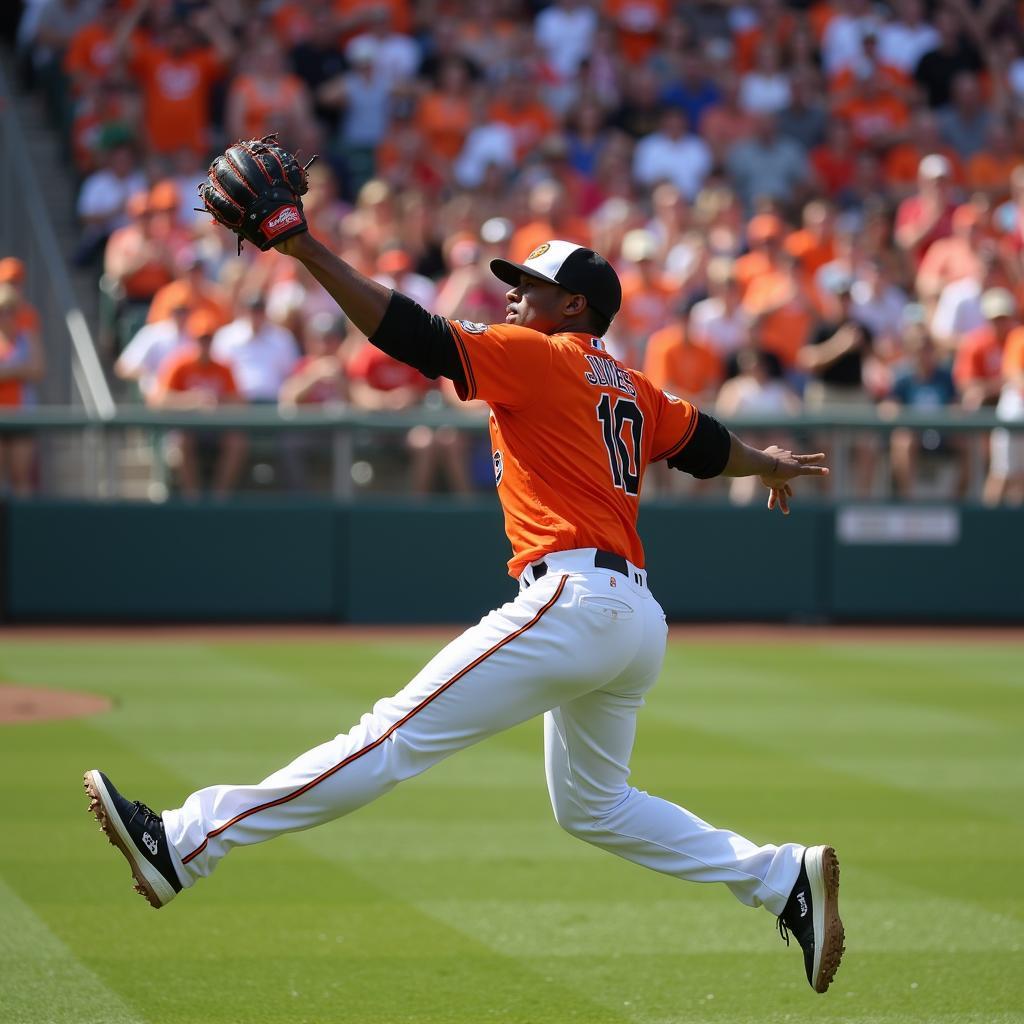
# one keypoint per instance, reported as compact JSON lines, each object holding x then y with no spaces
{"x":457,"y":899}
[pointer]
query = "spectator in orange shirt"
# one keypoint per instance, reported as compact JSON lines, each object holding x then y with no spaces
{"x":646,"y":297}
{"x":91,"y":52}
{"x":990,"y":170}
{"x":193,"y":290}
{"x":445,"y":114}
{"x":138,"y":261}
{"x":549,"y":218}
{"x":725,"y":122}
{"x":1005,"y":481}
{"x":834,"y":162}
{"x":177,"y":71}
{"x":814,"y":244}
{"x":404,"y":161}
{"x":637,"y":23}
{"x":296,"y":23}
{"x":844,"y":85}
{"x":978,"y":368}
{"x":190,"y":379}
{"x":877,"y":115}
{"x":764,"y":236}
{"x":355,"y":15}
{"x":517,"y":106}
{"x":774,"y":25}
{"x":953,"y":258}
{"x":26,"y":316}
{"x":268,"y":98}
{"x":781,"y":311}
{"x":676,"y":361}
{"x":21,"y":365}
{"x":1013,"y":357}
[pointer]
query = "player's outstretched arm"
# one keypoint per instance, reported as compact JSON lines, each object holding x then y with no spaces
{"x":255,"y":189}
{"x":363,"y":300}
{"x":775,"y":466}
{"x":391,"y":320}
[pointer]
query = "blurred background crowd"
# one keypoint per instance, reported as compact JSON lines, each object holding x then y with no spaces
{"x":811,"y":205}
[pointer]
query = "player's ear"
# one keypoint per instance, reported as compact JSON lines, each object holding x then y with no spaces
{"x":574,"y":305}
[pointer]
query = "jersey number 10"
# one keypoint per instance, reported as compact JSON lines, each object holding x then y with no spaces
{"x":623,"y":458}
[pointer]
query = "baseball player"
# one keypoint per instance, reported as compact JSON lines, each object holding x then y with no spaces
{"x":572,"y":433}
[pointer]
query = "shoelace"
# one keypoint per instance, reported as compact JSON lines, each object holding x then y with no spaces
{"x":141,"y":808}
{"x":783,"y":930}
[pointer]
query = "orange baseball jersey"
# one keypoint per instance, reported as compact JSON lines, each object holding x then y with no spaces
{"x":572,"y":434}
{"x":185,"y":371}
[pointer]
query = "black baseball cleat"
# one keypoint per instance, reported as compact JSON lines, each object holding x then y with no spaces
{"x":812,"y":916}
{"x":139,"y":834}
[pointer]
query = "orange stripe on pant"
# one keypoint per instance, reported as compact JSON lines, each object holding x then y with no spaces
{"x":380,"y":739}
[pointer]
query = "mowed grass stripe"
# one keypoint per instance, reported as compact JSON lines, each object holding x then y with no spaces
{"x":421,"y":907}
{"x":373,"y":927}
{"x":42,"y":980}
{"x":737,"y":988}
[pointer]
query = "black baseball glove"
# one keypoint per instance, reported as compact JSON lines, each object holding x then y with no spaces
{"x":254,"y":189}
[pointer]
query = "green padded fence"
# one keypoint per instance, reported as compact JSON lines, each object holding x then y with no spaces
{"x":444,"y":561}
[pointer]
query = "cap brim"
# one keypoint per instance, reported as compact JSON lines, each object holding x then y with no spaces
{"x":505,"y":270}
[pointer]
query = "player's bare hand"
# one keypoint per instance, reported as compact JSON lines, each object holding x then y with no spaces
{"x":788,"y":466}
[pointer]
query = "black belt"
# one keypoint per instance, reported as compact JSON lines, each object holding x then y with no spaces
{"x":602,"y":560}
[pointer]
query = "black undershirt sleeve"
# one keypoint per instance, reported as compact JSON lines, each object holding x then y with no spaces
{"x":708,"y":451}
{"x":420,"y":339}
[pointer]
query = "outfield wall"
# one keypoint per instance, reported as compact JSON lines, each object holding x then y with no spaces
{"x":443,"y":561}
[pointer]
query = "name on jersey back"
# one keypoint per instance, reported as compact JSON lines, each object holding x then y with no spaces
{"x":606,"y":373}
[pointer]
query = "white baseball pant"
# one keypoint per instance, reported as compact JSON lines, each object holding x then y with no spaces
{"x":582,"y":646}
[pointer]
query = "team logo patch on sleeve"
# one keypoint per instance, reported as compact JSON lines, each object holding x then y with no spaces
{"x":499,"y":466}
{"x":468,"y":325}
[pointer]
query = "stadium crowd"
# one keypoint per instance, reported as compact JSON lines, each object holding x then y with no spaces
{"x":810,"y":205}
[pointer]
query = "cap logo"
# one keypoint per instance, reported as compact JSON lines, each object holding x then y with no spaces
{"x":539,"y":251}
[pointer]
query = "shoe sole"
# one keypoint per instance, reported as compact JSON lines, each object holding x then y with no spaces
{"x":822,"y":866}
{"x":148,"y":881}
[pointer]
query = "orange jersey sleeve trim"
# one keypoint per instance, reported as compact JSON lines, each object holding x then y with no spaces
{"x":683,"y":441}
{"x":467,"y":369}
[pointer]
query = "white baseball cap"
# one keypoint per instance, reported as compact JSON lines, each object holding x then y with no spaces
{"x":935,"y":165}
{"x":638,"y":245}
{"x":997,"y":302}
{"x":575,"y":268}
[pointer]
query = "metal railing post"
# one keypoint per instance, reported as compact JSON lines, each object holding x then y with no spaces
{"x":342,"y":448}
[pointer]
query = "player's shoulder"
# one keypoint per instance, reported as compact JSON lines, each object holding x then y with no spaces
{"x":642,"y":382}
{"x":500,"y":332}
{"x":657,"y":398}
